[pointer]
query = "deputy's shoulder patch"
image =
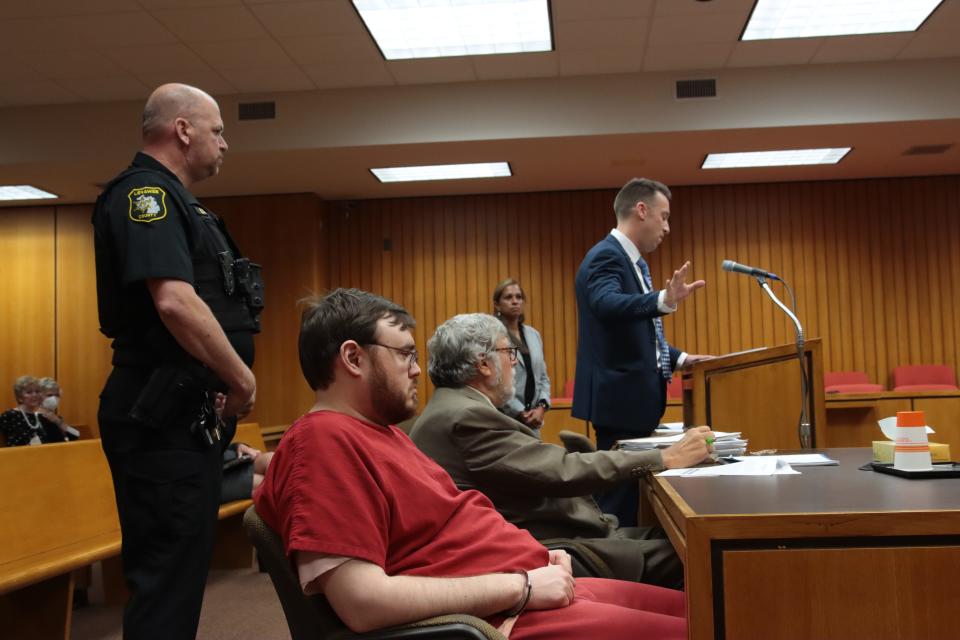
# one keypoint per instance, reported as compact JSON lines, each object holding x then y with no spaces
{"x":147,"y":204}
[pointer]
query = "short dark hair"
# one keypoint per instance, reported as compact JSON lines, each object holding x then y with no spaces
{"x":343,"y":314}
{"x":633,"y":192}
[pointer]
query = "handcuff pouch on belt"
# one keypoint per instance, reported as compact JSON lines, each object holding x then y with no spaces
{"x":172,"y":393}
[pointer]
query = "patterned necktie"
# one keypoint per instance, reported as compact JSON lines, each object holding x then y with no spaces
{"x":662,"y":347}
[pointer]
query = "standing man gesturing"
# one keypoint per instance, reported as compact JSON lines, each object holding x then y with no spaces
{"x":181,"y":305}
{"x":624,"y":361}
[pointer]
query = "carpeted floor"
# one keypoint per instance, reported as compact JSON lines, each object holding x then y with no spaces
{"x":236,"y":605}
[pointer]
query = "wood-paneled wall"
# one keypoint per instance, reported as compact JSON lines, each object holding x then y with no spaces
{"x":27,"y":303}
{"x":874,"y":264}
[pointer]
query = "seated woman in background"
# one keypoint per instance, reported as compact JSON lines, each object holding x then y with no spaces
{"x":27,"y":424}
{"x":49,"y":407}
{"x":530,"y":380}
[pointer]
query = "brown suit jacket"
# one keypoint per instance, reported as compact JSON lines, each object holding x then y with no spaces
{"x":537,"y":486}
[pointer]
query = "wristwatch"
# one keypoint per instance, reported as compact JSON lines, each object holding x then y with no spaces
{"x":542,"y":403}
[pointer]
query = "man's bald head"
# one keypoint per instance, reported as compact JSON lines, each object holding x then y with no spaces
{"x":169,"y":102}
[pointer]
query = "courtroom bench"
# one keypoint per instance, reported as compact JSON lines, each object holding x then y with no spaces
{"x":59,"y":515}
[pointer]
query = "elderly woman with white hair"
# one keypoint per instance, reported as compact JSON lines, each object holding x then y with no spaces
{"x":29,"y":423}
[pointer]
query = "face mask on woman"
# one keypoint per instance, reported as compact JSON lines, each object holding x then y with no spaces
{"x":51,"y":403}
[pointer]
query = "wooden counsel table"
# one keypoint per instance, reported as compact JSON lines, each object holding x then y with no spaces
{"x":833,"y":553}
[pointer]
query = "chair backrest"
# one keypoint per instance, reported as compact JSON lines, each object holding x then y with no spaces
{"x":831,"y":378}
{"x":576,"y":442}
{"x":920,"y":374}
{"x":568,"y":389}
{"x":308,"y":617}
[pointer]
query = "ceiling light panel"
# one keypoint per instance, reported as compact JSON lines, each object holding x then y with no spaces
{"x":443,"y":172}
{"x":785,"y":158}
{"x":441,"y":28}
{"x":24,"y":192}
{"x":773,"y":19}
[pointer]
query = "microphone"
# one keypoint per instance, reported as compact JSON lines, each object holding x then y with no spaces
{"x":730,"y":265}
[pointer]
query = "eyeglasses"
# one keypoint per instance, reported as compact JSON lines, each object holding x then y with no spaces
{"x":511,"y":351}
{"x":410,"y":354}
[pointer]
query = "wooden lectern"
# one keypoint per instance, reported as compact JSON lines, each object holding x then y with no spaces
{"x":757,"y":392}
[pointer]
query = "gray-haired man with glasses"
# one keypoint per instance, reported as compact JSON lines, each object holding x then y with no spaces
{"x":535,"y":485}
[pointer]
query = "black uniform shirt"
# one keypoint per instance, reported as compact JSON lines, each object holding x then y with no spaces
{"x":141,"y":233}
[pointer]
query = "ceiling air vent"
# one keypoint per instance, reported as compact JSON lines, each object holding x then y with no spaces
{"x":927,"y":150}
{"x":258,"y":110}
{"x":696,"y":89}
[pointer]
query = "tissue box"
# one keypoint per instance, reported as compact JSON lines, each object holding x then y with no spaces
{"x":883,"y":451}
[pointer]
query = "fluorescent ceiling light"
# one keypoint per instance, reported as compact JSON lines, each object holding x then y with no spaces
{"x":786,"y":158}
{"x":24,"y":192}
{"x":773,"y":19}
{"x":406,"y":29}
{"x":443,"y":172}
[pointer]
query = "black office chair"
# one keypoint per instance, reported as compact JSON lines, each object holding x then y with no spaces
{"x":312,"y":617}
{"x":576,"y":442}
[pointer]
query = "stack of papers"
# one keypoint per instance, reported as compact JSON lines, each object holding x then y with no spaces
{"x":726,"y":443}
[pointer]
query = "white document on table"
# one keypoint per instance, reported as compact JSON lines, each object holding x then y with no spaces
{"x":800,"y":459}
{"x":749,"y":466}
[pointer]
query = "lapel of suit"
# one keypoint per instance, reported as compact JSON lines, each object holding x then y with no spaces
{"x":626,"y":261}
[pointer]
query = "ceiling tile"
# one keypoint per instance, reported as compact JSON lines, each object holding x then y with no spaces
{"x":599,"y":61}
{"x":156,"y":58}
{"x":704,"y":10}
{"x":602,"y":34}
{"x":36,"y":92}
{"x":210,"y":81}
{"x":212,"y":24}
{"x":51,"y":8}
{"x":309,"y":18}
{"x":334,"y":76}
{"x":880,"y":46}
{"x":676,"y":30}
{"x":264,"y":79}
{"x":932,"y":44}
{"x":240,"y":54}
{"x":564,"y":10}
{"x":108,"y":89}
{"x":121,"y":29}
{"x":155,"y":5}
{"x":325,"y":49}
{"x":432,"y":70}
{"x":516,"y":65}
{"x":774,"y":53}
{"x":36,"y":34}
{"x":676,"y":58}
{"x":79,"y":63}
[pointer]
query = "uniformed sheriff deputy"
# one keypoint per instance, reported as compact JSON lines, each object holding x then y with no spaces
{"x":181,"y":305}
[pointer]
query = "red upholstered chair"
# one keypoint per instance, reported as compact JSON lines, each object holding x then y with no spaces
{"x":849,"y":382}
{"x":675,"y":388}
{"x":568,"y":389}
{"x":924,"y":377}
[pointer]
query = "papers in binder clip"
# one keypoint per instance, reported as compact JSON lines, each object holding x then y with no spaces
{"x":724,"y":444}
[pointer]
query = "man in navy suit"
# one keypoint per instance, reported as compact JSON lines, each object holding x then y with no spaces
{"x":624,"y":361}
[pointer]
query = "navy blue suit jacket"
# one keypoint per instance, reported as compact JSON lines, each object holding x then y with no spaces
{"x":617,"y":383}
